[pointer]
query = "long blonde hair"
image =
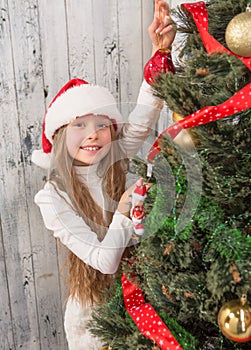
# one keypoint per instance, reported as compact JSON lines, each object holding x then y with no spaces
{"x":84,"y":282}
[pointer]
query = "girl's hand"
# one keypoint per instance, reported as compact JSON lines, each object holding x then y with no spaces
{"x":125,"y":202}
{"x":162,"y":30}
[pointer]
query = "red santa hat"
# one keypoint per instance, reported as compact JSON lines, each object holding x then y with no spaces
{"x":76,"y":98}
{"x":139,"y":194}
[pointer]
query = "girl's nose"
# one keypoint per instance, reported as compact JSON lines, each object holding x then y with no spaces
{"x":92,"y":133}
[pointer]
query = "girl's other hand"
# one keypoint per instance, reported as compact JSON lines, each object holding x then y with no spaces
{"x":162,"y":29}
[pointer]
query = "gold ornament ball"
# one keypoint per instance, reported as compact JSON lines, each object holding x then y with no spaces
{"x":184,"y":139}
{"x":238,"y":34}
{"x":234,"y":320}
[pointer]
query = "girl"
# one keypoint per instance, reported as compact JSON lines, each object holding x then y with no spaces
{"x":84,"y":201}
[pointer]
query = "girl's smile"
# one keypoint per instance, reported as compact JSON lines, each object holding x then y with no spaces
{"x":88,"y":139}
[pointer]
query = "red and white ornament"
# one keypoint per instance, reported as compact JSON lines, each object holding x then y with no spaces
{"x":138,"y":211}
{"x":160,"y":63}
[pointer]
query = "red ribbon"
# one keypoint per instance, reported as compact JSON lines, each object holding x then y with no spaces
{"x":237,"y":103}
{"x":146,"y":318}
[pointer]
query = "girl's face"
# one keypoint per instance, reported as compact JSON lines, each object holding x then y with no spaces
{"x":88,"y":139}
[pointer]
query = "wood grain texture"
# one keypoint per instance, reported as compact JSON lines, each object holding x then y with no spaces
{"x":14,"y":215}
{"x":130,"y":50}
{"x":42,"y":45}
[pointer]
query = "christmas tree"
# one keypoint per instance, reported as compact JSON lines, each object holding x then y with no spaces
{"x":194,"y":262}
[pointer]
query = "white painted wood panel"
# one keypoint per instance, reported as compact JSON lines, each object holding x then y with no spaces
{"x":54,"y":47}
{"x":6,"y":95}
{"x":14,"y":216}
{"x":44,"y":43}
{"x":130,"y":52}
{"x":42,"y":255}
{"x":106,"y":56}
{"x":80,"y":39}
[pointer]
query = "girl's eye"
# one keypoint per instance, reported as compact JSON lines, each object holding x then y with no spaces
{"x":79,"y":125}
{"x":102,"y":126}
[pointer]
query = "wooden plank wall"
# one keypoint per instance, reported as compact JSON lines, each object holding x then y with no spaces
{"x":43,"y":43}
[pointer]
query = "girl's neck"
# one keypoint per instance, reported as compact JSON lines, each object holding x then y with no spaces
{"x":87,"y":169}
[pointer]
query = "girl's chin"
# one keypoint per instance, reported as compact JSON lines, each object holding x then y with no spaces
{"x":85,"y":162}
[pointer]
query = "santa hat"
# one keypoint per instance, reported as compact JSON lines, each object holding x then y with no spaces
{"x":75,"y":99}
{"x":139,"y":193}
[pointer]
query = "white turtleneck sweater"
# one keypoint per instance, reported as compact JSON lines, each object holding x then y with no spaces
{"x":71,"y":229}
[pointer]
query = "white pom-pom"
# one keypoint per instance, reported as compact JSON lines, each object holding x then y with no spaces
{"x":41,"y":159}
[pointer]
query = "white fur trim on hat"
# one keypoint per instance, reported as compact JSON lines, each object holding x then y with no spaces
{"x":41,"y":159}
{"x":78,"y":101}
